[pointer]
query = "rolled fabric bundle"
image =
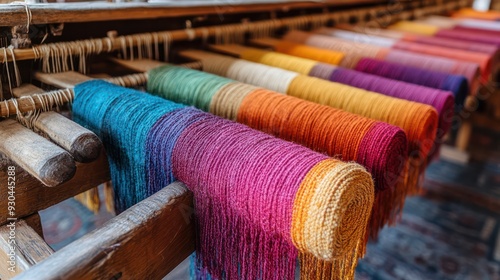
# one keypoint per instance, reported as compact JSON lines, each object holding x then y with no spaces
{"x":488,"y":49}
{"x":259,"y":201}
{"x":357,"y":51}
{"x":453,"y":23}
{"x":453,"y":43}
{"x":380,"y":147}
{"x":442,"y":101}
{"x":456,"y":84}
{"x":484,"y":32}
{"x":353,"y":52}
{"x":478,"y":24}
{"x":322,"y":55}
{"x":484,"y":61}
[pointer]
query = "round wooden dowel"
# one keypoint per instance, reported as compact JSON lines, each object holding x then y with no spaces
{"x":80,"y":142}
{"x":38,"y":156}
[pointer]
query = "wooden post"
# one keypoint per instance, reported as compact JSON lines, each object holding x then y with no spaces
{"x":42,"y":159}
{"x":32,"y":196}
{"x":27,"y":249}
{"x":145,"y":242}
{"x":80,"y":142}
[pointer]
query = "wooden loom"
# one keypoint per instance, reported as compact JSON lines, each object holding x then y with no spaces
{"x":151,"y":238}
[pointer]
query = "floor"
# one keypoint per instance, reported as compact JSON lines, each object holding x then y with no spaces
{"x":451,"y":232}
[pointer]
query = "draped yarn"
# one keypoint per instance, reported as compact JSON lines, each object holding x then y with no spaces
{"x":380,"y":147}
{"x":442,"y":101}
{"x":259,"y":201}
{"x":456,"y":84}
{"x":356,"y":51}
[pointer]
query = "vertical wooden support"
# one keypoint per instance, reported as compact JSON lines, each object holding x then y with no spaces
{"x":20,"y":248}
{"x":146,"y":241}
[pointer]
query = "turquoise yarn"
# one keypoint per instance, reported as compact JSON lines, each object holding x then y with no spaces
{"x":192,"y":87}
{"x":122,"y":118}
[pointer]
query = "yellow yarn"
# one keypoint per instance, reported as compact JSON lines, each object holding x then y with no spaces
{"x":415,"y":27}
{"x":327,"y":56}
{"x":292,"y":63}
{"x":369,"y":104}
{"x":335,"y":241}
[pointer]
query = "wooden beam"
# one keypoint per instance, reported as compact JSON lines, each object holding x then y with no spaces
{"x":90,"y":12}
{"x":62,"y":80}
{"x":27,"y":249}
{"x":115,"y":43}
{"x":35,"y":222}
{"x":32,"y":196}
{"x":145,"y":242}
{"x":43,"y":159}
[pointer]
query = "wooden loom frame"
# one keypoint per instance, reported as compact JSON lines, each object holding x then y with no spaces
{"x":158,"y":228}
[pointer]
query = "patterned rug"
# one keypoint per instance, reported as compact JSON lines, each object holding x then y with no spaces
{"x":436,"y":240}
{"x":68,"y":221}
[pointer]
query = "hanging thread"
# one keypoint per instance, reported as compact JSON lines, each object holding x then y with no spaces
{"x":379,"y":147}
{"x":278,"y":197}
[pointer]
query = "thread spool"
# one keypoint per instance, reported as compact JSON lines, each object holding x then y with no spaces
{"x":484,"y":61}
{"x":471,"y":13}
{"x":466,"y":35}
{"x":415,"y":27}
{"x":453,"y":83}
{"x":442,"y":101}
{"x":331,"y":94}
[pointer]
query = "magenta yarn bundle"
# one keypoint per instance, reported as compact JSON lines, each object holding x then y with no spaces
{"x":467,"y":35}
{"x":216,"y":157}
{"x":441,"y":100}
{"x":456,"y":84}
{"x":433,"y":63}
{"x":454,"y":44}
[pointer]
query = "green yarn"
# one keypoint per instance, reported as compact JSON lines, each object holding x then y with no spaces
{"x":192,"y":87}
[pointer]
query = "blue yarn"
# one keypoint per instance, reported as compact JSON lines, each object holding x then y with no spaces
{"x":160,"y":144}
{"x":459,"y":86}
{"x":90,"y":116}
{"x":122,"y":118}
